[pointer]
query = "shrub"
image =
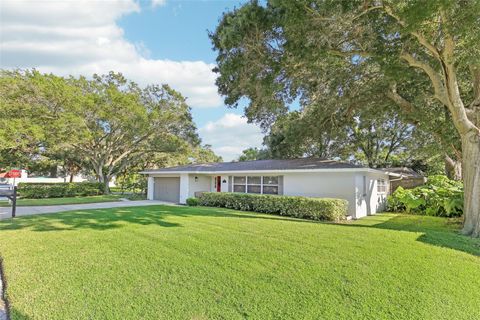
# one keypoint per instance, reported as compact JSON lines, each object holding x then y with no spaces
{"x":131,"y":181}
{"x":440,"y":196}
{"x":193,"y":202}
{"x":298,"y":207}
{"x":59,"y":190}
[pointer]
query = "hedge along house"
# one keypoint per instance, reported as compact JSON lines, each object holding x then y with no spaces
{"x":365,"y":189}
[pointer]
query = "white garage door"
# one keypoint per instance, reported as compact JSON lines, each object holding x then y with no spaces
{"x":167,"y":189}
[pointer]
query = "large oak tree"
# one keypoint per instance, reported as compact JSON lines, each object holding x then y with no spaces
{"x":421,"y":55}
{"x":123,"y":124}
{"x":106,"y":125}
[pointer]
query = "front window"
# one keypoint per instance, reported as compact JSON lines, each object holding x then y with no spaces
{"x":381,"y":186}
{"x":256,"y":184}
{"x":239,"y":180}
{"x":270,"y":189}
{"x":270,"y":185}
{"x":239,"y":184}
{"x":270,"y":180}
{"x":239,"y":188}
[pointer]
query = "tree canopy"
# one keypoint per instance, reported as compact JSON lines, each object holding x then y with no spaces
{"x":341,"y":56}
{"x":104,"y":125}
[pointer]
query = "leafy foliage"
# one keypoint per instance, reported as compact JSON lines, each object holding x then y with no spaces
{"x":125,"y":123}
{"x":340,"y":61}
{"x":193,"y":202}
{"x":59,"y":190}
{"x":298,"y":207}
{"x":374,"y":140}
{"x":131,"y":181}
{"x":440,"y":196}
{"x":39,"y":111}
{"x":99,"y":126}
{"x":254,"y":154}
{"x":342,"y":56}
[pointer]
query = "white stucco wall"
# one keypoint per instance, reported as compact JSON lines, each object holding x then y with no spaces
{"x":342,"y":185}
{"x":150,"y":188}
{"x":184,"y":187}
{"x":203,"y":183}
{"x":339,"y":185}
{"x":368,"y":201}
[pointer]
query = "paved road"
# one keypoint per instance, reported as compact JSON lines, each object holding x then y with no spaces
{"x":6,"y":212}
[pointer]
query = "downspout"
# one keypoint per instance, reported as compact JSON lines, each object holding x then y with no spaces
{"x":390,"y":180}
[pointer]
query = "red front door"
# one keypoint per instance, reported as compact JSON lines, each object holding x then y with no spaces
{"x":219,"y":183}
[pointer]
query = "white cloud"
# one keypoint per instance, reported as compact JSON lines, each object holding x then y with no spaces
{"x":230,"y":135}
{"x":82,"y":37}
{"x":158,"y":3}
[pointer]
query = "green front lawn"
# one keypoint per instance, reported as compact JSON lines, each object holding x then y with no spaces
{"x":62,"y":201}
{"x":167,"y":262}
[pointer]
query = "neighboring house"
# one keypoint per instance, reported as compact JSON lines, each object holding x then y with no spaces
{"x":25,"y":178}
{"x":408,"y":178}
{"x":365,"y":189}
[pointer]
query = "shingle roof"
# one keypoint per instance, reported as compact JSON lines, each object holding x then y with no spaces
{"x":261,"y":165}
{"x":404,"y":171}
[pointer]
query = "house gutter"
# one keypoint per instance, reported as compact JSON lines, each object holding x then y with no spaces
{"x":398,"y":179}
{"x":269,"y":171}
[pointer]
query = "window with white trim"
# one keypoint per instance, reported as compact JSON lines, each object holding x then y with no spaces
{"x":381,"y":186}
{"x":270,"y":185}
{"x":239,"y":184}
{"x":256,"y":184}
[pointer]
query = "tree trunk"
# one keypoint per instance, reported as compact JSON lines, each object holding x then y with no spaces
{"x":106,"y":186}
{"x":53,"y":171}
{"x":71,"y":177}
{"x":471,"y":180}
{"x":453,"y":168}
{"x":102,"y":178}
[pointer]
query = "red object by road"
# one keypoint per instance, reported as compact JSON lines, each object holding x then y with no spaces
{"x":13,"y":174}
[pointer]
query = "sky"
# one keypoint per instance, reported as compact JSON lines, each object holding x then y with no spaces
{"x":149,"y":41}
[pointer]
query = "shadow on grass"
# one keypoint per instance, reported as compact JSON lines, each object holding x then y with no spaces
{"x":17,"y":315}
{"x":105,"y":219}
{"x":437,"y":231}
{"x":98,"y":219}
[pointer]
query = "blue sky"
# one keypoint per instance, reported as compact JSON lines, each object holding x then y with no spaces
{"x":178,"y":30}
{"x":154,"y":41}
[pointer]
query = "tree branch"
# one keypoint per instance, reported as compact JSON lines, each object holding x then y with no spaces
{"x":456,"y":105}
{"x":421,"y":39}
{"x":438,"y":86}
{"x":473,"y":110}
{"x":404,"y":104}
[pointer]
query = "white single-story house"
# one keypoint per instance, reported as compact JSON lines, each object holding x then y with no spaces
{"x":365,"y":189}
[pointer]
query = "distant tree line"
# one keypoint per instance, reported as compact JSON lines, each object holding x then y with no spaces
{"x":103,"y":126}
{"x":374,"y":140}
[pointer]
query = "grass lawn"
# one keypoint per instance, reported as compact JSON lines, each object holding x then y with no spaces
{"x":166,"y":262}
{"x":62,"y":201}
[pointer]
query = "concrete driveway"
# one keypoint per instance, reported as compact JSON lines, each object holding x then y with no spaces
{"x":6,"y":212}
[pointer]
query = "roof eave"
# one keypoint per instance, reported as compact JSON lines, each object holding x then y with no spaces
{"x":269,"y":171}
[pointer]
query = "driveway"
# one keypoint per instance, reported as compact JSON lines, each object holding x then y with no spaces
{"x":6,"y":212}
